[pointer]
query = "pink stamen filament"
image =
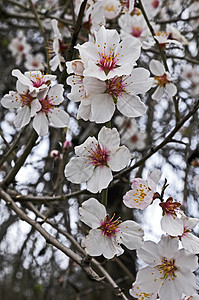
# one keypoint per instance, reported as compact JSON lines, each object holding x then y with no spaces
{"x":98,"y":156}
{"x":115,"y":86}
{"x":107,"y":62}
{"x":46,"y":104}
{"x":136,"y":31}
{"x":109,"y":227}
{"x":26,"y":99}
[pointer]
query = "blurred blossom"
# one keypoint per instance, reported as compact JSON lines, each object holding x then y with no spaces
{"x":19,"y":48}
{"x":34,"y":62}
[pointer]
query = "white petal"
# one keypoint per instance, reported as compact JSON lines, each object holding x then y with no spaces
{"x":55,"y":94}
{"x":109,"y":138}
{"x":58,"y":118}
{"x":84,"y":112}
{"x":85,"y":148}
{"x":40,"y":124}
{"x":131,"y":235}
{"x":190,"y":242}
{"x":149,"y":253}
{"x":119,"y":159}
{"x":131,"y":106}
{"x":100,"y":179}
{"x":17,"y":73}
{"x":92,"y":212}
{"x":172,"y":225}
{"x":156,"y":67}
{"x":157,"y":95}
{"x":78,"y":170}
{"x":171,"y":89}
{"x":35,"y":107}
{"x":11,"y":100}
{"x":186,"y":260}
{"x":102,"y":108}
{"x":23,"y":117}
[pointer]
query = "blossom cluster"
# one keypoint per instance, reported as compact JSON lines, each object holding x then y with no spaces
{"x":108,"y":83}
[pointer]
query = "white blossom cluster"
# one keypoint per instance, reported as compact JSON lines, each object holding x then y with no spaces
{"x":105,"y":80}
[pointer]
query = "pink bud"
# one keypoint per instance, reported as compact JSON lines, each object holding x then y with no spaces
{"x":67,"y":144}
{"x":55,"y":154}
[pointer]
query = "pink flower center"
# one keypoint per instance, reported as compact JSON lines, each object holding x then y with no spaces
{"x":136,"y":31}
{"x":35,"y":64}
{"x":155,"y":3}
{"x":26,"y":99}
{"x":107,"y":62}
{"x":169,"y":207}
{"x":167,"y":268}
{"x":115,"y":86}
{"x":20,"y":48}
{"x":46,"y":104}
{"x":98,"y":156}
{"x":162,"y":80}
{"x":39,"y":82}
{"x":109,"y":226}
{"x":134,"y":138}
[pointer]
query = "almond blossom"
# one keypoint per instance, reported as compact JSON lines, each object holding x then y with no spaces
{"x":96,"y":160}
{"x":151,"y":7}
{"x":19,"y":48}
{"x":130,"y":134}
{"x":25,"y":101}
{"x":189,"y":241}
{"x":107,"y":56}
{"x":171,"y":221}
{"x":162,"y":80}
{"x":108,"y":233}
{"x":102,"y":97}
{"x":34,"y":62}
{"x":57,"y":48}
{"x":141,"y":194}
{"x":169,"y":272}
{"x":34,"y":80}
{"x":112,"y":8}
{"x":50,"y":113}
{"x":133,"y":26}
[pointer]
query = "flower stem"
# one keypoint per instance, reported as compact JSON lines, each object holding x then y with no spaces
{"x":105,"y":197}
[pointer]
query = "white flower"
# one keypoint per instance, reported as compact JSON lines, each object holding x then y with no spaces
{"x":133,"y":26}
{"x":107,"y":56}
{"x":34,"y":62}
{"x":34,"y":80}
{"x":50,"y":113}
{"x":141,"y":194}
{"x":170,"y":222}
{"x":169,"y":272}
{"x":19,"y":48}
{"x":56,"y":48}
{"x":151,"y":7}
{"x":94,"y":16}
{"x":97,"y":159}
{"x":189,"y":241}
{"x":101,"y":97}
{"x":112,"y":8}
{"x":130,"y":134}
{"x":162,"y":80}
{"x":26,"y":103}
{"x":107,"y":234}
